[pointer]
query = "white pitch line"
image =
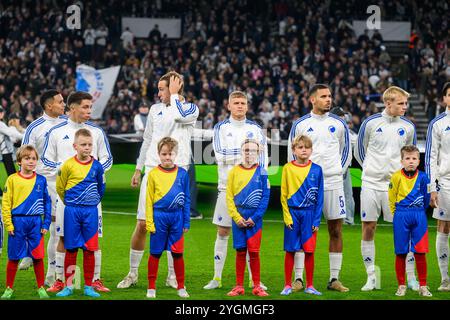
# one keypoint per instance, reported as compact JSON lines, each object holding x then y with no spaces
{"x":265,"y":220}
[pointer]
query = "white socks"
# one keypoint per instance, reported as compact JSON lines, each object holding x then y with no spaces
{"x":410,"y":266}
{"x":368,"y":255}
{"x":299,"y":264}
{"x":59,"y":265}
{"x":171,"y":269}
{"x":220,"y":254}
{"x":335,"y":264}
{"x":442,"y":253}
{"x":135,"y":260}
{"x":98,"y":264}
{"x":51,"y":250}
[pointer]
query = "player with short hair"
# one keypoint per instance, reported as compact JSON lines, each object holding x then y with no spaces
{"x":377,"y":150}
{"x":247,"y":196}
{"x":81,"y":185}
{"x":52,"y":103}
{"x":437,"y":166}
{"x":302,"y":201}
{"x":58,"y":148}
{"x":174,"y":117}
{"x":408,"y":200}
{"x":227,"y":140}
{"x":25,"y":199}
{"x":167,"y":214}
{"x":332,"y":151}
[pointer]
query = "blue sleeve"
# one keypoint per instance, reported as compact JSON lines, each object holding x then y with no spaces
{"x":187,"y":203}
{"x":424,"y":191}
{"x":264,"y":202}
{"x":101,"y":185}
{"x":319,"y":204}
{"x":47,"y":208}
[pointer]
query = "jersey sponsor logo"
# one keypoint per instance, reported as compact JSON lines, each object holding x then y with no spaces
{"x":66,"y":137}
{"x":310,"y":130}
{"x":379,"y":130}
{"x":249,"y":134}
{"x":401,"y":132}
{"x":332,"y":129}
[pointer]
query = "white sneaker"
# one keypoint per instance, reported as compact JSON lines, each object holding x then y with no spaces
{"x":213,"y":284}
{"x":151,"y":293}
{"x":401,"y":291}
{"x":413,"y":284}
{"x":49,"y":280}
{"x":370,"y":284}
{"x":171,"y":281}
{"x":183,"y":293}
{"x":424,"y":291}
{"x":130,"y":280}
{"x":25,"y":263}
{"x":251,"y":285}
{"x":445,"y":285}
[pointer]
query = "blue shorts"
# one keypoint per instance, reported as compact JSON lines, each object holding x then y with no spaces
{"x":410,"y":231}
{"x":249,"y":238}
{"x":301,"y":236}
{"x":27,"y":240}
{"x":81,"y":227}
{"x":169,"y":232}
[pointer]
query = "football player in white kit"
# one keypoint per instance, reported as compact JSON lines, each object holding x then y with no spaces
{"x":437,"y":167}
{"x":377,"y":150}
{"x":332,"y":151}
{"x":227,"y":140}
{"x":52,"y":102}
{"x":173,"y":117}
{"x":58,"y":148}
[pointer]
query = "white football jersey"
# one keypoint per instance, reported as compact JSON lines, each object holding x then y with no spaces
{"x":58,"y":146}
{"x":176,"y":120}
{"x":377,"y":149}
{"x":437,"y":151}
{"x":331,"y":145}
{"x":227,"y":140}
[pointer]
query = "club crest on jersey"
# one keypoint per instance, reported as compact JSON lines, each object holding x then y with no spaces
{"x":332,"y":129}
{"x":249,"y":134}
{"x":401,"y":132}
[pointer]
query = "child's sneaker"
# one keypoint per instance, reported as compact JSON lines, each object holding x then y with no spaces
{"x":213,"y":284}
{"x":236,"y":291}
{"x":42,"y":293}
{"x":424,"y":291}
{"x":99,"y":286}
{"x":8,"y":293}
{"x":401,"y":291}
{"x":312,"y":290}
{"x":286,"y":291}
{"x":57,"y":286}
{"x":90,"y":292}
{"x":67,"y":291}
{"x":182,"y":293}
{"x":251,"y":285}
{"x":259,"y":291}
{"x":151,"y":293}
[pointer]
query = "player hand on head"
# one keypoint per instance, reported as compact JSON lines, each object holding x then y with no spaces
{"x":250,"y":223}
{"x":314,"y":229}
{"x":175,"y":85}
{"x":434,"y":199}
{"x":242,"y":223}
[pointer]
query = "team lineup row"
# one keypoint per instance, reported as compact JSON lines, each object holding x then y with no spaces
{"x":378,"y":146}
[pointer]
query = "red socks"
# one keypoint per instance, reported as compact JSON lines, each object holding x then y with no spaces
{"x":400,"y":268}
{"x":288,"y":267}
{"x":38,"y":266}
{"x":309,"y":268}
{"x":11,"y":270}
{"x":421,"y":265}
{"x":255,"y":267}
{"x":240,"y":267}
{"x":178,"y":265}
{"x":70,"y":261}
{"x":153,"y":264}
{"x":88,"y":265}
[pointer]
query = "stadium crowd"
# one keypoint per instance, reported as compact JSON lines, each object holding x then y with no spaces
{"x":273,"y":50}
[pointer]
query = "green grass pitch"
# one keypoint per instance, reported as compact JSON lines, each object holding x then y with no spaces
{"x":120,"y":203}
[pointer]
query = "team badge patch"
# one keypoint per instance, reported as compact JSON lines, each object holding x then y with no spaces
{"x":249,"y":134}
{"x":401,"y":132}
{"x":332,"y":129}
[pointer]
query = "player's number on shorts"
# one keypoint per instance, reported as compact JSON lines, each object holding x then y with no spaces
{"x":341,"y":201}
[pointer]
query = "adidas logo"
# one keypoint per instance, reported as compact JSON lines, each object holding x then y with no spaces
{"x":229,"y":135}
{"x":379,"y":130}
{"x":448,"y":128}
{"x":444,"y":256}
{"x":310,"y":129}
{"x":160,"y":113}
{"x":342,"y":212}
{"x":367,"y":259}
{"x":217,"y":257}
{"x":66,"y":137}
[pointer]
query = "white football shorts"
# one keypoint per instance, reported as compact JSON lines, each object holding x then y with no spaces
{"x":334,"y":204}
{"x":373,"y":202}
{"x":221,"y":216}
{"x":442,"y":212}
